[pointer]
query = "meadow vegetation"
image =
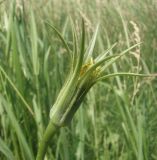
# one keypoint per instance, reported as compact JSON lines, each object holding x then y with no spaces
{"x":118,"y":117}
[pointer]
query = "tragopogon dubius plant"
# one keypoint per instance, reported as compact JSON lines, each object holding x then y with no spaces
{"x":85,"y":71}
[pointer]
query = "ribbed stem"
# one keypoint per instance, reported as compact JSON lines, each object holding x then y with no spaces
{"x":50,"y":131}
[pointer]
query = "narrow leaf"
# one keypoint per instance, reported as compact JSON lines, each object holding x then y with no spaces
{"x":89,"y":51}
{"x":125,"y":74}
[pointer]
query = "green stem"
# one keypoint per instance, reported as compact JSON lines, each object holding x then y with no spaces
{"x":50,"y":131}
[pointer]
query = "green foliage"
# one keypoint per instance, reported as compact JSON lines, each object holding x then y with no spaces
{"x":118,"y":117}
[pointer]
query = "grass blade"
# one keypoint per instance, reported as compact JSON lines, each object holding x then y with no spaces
{"x":16,"y":90}
{"x":27,"y":152}
{"x":5,"y":150}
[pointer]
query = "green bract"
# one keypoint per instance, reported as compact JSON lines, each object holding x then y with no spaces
{"x":85,"y":71}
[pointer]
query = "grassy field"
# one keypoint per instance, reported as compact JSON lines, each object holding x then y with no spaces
{"x":118,"y":117}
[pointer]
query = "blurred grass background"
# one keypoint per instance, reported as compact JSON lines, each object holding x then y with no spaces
{"x":117,"y":120}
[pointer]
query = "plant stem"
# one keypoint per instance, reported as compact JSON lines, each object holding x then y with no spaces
{"x":50,"y":131}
